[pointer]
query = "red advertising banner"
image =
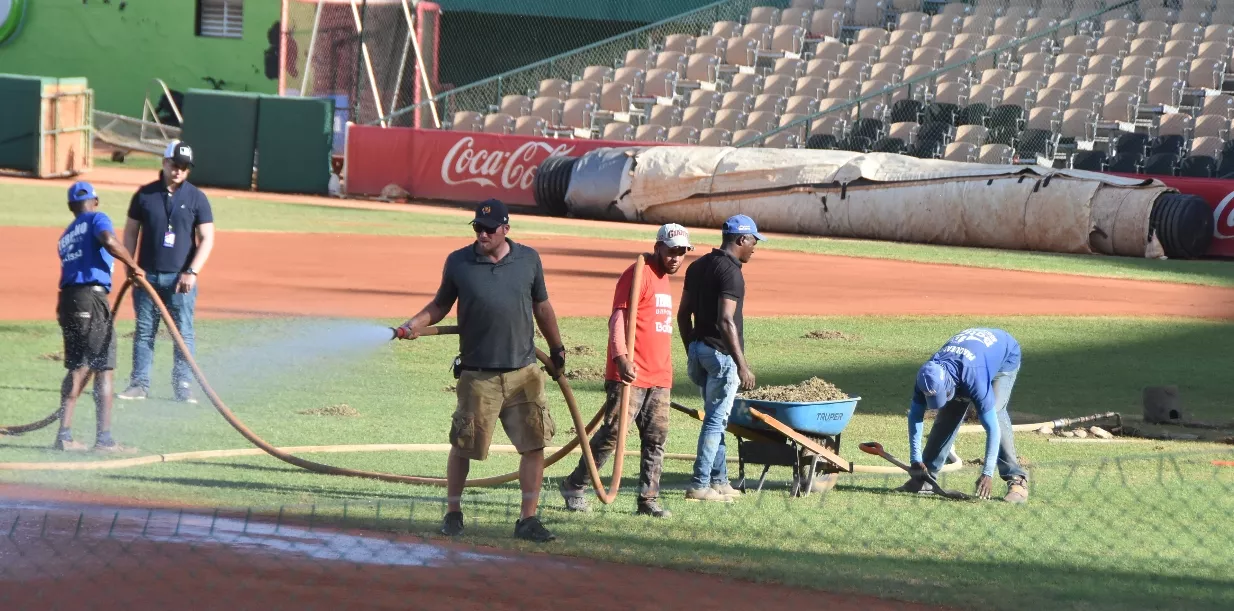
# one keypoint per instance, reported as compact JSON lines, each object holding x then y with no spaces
{"x":457,"y":166}
{"x":1219,"y":193}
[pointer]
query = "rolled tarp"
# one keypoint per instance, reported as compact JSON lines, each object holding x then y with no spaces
{"x":880,"y":196}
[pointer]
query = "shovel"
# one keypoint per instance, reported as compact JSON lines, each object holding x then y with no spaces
{"x":876,"y":449}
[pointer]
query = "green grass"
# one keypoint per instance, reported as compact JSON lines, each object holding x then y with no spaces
{"x":134,"y":161}
{"x":22,"y":205}
{"x":1110,"y":526}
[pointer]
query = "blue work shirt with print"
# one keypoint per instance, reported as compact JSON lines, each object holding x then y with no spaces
{"x":83,"y":260}
{"x":972,"y":357}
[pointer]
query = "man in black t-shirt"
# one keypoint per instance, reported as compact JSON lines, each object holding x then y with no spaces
{"x":711,"y":327}
{"x":499,"y":287}
{"x":170,"y":230}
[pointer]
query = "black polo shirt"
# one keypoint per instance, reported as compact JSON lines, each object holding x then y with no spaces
{"x":714,"y":275}
{"x":496,"y":325}
{"x":188,"y":208}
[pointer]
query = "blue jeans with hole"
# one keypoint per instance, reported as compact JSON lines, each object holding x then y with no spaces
{"x":181,"y":306}
{"x":947,"y":425}
{"x":715,"y":374}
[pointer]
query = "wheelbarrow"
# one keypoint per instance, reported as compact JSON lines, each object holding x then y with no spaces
{"x":803,"y":436}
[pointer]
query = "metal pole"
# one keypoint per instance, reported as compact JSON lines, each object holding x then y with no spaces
{"x":282,"y":59}
{"x":402,"y":63}
{"x":308,"y":62}
{"x":428,"y":89}
{"x":355,"y":87}
{"x":368,"y":64}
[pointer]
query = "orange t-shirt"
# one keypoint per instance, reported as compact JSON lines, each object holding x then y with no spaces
{"x":653,"y":355}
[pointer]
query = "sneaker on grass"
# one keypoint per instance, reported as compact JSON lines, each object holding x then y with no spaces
{"x":452,"y":524}
{"x":575,"y":501}
{"x":651,"y":507}
{"x":68,"y":445}
{"x":727,"y":490}
{"x":1017,"y":491}
{"x":133,"y":393}
{"x":531,"y":529}
{"x":706,"y":494}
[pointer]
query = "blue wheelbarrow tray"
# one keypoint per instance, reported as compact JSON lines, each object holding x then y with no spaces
{"x":815,"y":418}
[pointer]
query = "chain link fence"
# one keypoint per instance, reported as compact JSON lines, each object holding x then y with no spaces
{"x":1143,"y":531}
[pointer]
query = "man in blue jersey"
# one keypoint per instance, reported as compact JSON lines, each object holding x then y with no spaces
{"x":88,"y":248}
{"x":978,"y":366}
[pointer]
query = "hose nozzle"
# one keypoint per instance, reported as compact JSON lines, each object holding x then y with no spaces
{"x":400,"y":333}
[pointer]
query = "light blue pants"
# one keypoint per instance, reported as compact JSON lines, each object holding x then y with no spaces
{"x":947,"y":424}
{"x":715,"y":374}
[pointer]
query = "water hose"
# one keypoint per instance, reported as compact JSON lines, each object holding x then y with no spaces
{"x":55,"y":415}
{"x":582,"y":432}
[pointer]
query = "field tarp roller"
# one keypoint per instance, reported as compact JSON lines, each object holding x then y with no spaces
{"x":879,"y":196}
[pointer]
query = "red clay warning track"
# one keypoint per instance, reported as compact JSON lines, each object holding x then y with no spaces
{"x":289,"y":274}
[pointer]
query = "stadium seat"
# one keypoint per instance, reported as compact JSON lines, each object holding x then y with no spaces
{"x":822,"y":142}
{"x":1164,"y":164}
{"x":498,"y":123}
{"x":530,"y":126}
{"x":961,"y":151}
{"x":1125,"y":163}
{"x":999,"y":154}
{"x":651,"y":133}
{"x":515,"y":105}
{"x":973,"y":114}
{"x":906,"y":110}
{"x":618,"y":131}
{"x":1198,"y":166}
{"x":715,"y":137}
{"x":682,"y":135}
{"x":1093,"y":161}
{"x":889,"y":145}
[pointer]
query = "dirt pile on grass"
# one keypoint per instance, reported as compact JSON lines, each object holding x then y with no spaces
{"x":812,"y":390}
{"x":585,"y":374}
{"x":831,"y":334}
{"x":342,"y":409}
{"x":51,"y":356}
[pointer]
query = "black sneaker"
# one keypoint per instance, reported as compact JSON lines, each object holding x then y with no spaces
{"x":452,"y":525}
{"x":651,"y":507}
{"x":532,"y":530}
{"x":916,"y":486}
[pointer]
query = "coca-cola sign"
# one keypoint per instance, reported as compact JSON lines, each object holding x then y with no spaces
{"x":455,"y":166}
{"x":465,"y":163}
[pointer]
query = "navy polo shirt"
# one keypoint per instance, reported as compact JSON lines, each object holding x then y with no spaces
{"x":151,"y":206}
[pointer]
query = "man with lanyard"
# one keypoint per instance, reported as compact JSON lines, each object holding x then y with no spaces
{"x":88,"y":248}
{"x":499,"y":287}
{"x":648,"y":372}
{"x":978,"y":366}
{"x":176,"y":229}
{"x":711,"y":327}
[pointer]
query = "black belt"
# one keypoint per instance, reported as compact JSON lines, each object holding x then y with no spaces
{"x":98,"y":288}
{"x":488,"y":369}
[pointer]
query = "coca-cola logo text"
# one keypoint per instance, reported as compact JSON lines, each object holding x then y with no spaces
{"x":1223,"y":219}
{"x":465,"y":164}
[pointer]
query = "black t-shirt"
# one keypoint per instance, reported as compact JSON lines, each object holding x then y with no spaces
{"x":714,"y":275}
{"x":189,"y":208}
{"x":494,"y":304}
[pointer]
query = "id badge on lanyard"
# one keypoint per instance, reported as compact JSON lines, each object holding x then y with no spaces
{"x":169,"y":238}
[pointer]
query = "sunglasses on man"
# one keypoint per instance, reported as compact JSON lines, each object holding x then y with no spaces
{"x":488,"y":230}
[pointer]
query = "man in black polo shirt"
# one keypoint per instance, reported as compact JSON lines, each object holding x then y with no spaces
{"x":172,"y":221}
{"x":710,"y":323}
{"x":499,"y":286}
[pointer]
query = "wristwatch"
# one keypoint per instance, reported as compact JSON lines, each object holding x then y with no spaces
{"x":191,"y":271}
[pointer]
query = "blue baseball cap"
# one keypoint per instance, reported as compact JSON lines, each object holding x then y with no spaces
{"x":743,"y":225}
{"x":935,"y":383}
{"x":491,"y":214}
{"x":81,"y":191}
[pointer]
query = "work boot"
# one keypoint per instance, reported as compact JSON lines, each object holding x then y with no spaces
{"x":575,"y":501}
{"x":133,"y":393}
{"x":532,"y":530}
{"x":66,"y":444}
{"x":651,"y":507}
{"x":1017,"y":490}
{"x":706,"y":494}
{"x":916,"y":485}
{"x":727,"y":490}
{"x":452,"y":525}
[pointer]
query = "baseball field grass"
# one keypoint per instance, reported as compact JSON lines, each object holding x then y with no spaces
{"x":1109,"y":526}
{"x":41,"y":206}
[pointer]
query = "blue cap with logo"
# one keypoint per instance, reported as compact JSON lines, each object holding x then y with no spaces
{"x":81,"y":191}
{"x":491,"y":214}
{"x":935,"y":383}
{"x":743,"y":225}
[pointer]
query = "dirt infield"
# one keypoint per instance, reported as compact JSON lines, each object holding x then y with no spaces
{"x":69,"y":553}
{"x":286,"y":274}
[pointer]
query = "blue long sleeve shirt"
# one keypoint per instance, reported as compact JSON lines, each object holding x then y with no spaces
{"x":972,"y":357}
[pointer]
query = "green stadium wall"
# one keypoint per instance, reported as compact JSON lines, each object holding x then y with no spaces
{"x":122,"y":44}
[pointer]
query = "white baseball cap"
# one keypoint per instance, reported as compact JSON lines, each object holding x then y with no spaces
{"x":674,"y":236}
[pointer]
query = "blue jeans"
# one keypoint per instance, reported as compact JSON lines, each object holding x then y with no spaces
{"x":181,"y":306}
{"x":715,"y":374}
{"x":951,"y":416}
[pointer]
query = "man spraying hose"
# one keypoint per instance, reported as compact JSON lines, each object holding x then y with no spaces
{"x":648,"y":371}
{"x":979,"y":366}
{"x":499,"y":286}
{"x":88,"y":249}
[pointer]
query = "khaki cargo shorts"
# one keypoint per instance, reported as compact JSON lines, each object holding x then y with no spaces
{"x":516,"y":397}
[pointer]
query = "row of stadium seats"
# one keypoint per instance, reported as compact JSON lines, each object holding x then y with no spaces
{"x":1158,"y":68}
